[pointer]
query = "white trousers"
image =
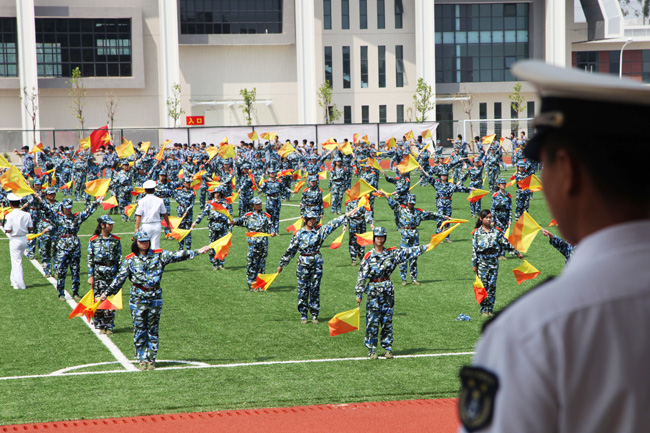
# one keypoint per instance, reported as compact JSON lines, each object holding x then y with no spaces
{"x":17,"y":247}
{"x":153,"y":230}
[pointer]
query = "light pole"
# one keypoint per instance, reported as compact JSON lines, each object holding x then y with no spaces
{"x":620,"y":61}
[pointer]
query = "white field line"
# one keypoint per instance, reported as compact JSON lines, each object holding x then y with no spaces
{"x":69,"y":372}
{"x":115,"y":351}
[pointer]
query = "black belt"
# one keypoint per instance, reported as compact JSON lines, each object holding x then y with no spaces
{"x":411,"y":228}
{"x":146,"y":289}
{"x":309,"y":254}
{"x":104,"y":264}
{"x":68,"y":236}
{"x":273,"y":195}
{"x":379,"y":280}
{"x":314,"y":204}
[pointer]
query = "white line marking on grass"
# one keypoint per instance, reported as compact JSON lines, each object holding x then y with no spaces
{"x":199,"y":365}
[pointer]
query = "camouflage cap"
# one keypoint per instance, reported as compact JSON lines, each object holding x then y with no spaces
{"x":379,"y":231}
{"x":141,"y":236}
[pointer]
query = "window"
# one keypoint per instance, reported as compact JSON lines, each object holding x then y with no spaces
{"x":382,"y":114}
{"x":530,"y":112}
{"x":381,"y":15}
{"x":99,"y":47}
{"x":328,"y":66}
{"x":346,"y":67}
{"x":588,"y":61}
{"x":480,"y":42}
{"x":345,"y":14}
{"x":327,"y":14}
{"x":382,"y":65}
{"x":205,"y":17}
{"x":364,"y":67}
{"x":365,"y":114}
{"x":497,"y":115}
{"x":399,"y":66}
{"x":400,"y":114}
{"x":347,"y":114}
{"x":482,"y":112}
{"x":363,"y":14}
{"x":8,"y":47}
{"x":636,"y":63}
{"x":399,"y":11}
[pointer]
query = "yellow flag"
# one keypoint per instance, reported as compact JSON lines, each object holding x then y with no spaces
{"x":286,"y":150}
{"x":408,"y":164}
{"x":85,"y":143}
{"x":125,"y":149}
{"x":391,"y":143}
{"x":4,"y":163}
{"x":488,"y":139}
{"x":360,"y":189}
{"x":409,"y":135}
{"x":13,"y":180}
{"x":178,"y":234}
{"x":97,"y":187}
{"x":144,"y":147}
{"x":523,"y":233}
{"x":31,"y":236}
{"x":453,"y":221}
{"x":175,"y":221}
{"x":436,"y":239}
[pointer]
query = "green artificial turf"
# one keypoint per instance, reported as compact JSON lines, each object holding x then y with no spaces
{"x":211,"y":317}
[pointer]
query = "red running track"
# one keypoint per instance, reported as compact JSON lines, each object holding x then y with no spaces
{"x":431,"y":416}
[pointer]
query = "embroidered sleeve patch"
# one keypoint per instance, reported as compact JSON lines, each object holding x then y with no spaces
{"x":476,"y":402}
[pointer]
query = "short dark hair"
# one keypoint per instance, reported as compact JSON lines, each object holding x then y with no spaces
{"x":150,"y":190}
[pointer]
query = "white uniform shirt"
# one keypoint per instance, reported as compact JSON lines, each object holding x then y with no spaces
{"x":19,"y":222}
{"x":150,"y":208}
{"x":572,"y":355}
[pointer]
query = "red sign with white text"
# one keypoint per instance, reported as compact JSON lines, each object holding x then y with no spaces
{"x":194,"y":120}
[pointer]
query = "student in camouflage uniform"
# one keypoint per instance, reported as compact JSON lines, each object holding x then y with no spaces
{"x":218,"y":223}
{"x":185,"y":198}
{"x":312,"y":197}
{"x":523,"y":196}
{"x":121,"y":185}
{"x":493,"y":169}
{"x":144,"y":267}
{"x":377,"y":266}
{"x":475,"y":175}
{"x":33,"y":206}
{"x":356,"y":224}
{"x":274,"y":189}
{"x":258,"y":247}
{"x":79,"y":169}
{"x":371,"y":175}
{"x":308,"y":241}
{"x":338,"y":178}
{"x":104,"y":258}
{"x":245,"y":190}
{"x":68,"y":246}
{"x":47,"y":240}
{"x":488,"y":245}
{"x":501,"y":206}
{"x":409,"y":219}
{"x":444,"y":193}
{"x":565,"y":248}
{"x":402,"y":182}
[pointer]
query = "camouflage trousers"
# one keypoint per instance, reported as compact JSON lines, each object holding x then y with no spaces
{"x":185,"y":224}
{"x":337,"y":196}
{"x":145,"y":312}
{"x":487,"y":272}
{"x":443,"y":206}
{"x":522,"y":202}
{"x":309,"y":274}
{"x":273,"y":206}
{"x":493,"y":176}
{"x":245,"y":205}
{"x":379,"y":312}
{"x":79,"y":187}
{"x":104,"y":319}
{"x":255,"y":261}
{"x":203,"y":193}
{"x":215,"y":234}
{"x":410,"y":238}
{"x":500,"y":220}
{"x":356,"y":250}
{"x":123,"y":200}
{"x":475,"y":208}
{"x":62,"y":260}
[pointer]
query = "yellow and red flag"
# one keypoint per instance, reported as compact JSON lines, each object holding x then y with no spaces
{"x":286,"y":150}
{"x":296,"y":225}
{"x":269,"y":135}
{"x":178,"y":234}
{"x":287,"y":172}
{"x":437,"y":239}
{"x":84,"y":143}
{"x":110,"y":203}
{"x":524,"y":272}
{"x":374,"y":164}
{"x":346,"y":148}
{"x":322,"y":175}
{"x":86,"y":307}
{"x":113,"y":302}
{"x":532,"y":183}
{"x":31,"y":236}
{"x":552,"y":223}
{"x":263,"y":281}
{"x":226,"y":151}
{"x":258,"y":235}
{"x":13,"y":180}
{"x":479,"y":290}
{"x":476,"y":195}
{"x":137,"y":190}
{"x":212,"y":151}
{"x":360,"y":189}
{"x":426,"y":134}
{"x":37,"y":148}
{"x":365,"y":202}
{"x":125,"y":149}
{"x":453,"y":221}
{"x":327,"y":201}
{"x":99,"y":137}
{"x":337,"y":242}
{"x":161,"y":153}
{"x":365,"y":139}
{"x":391,"y":143}
{"x":67,"y":185}
{"x":346,"y":321}
{"x":174,"y":221}
{"x":97,"y":187}
{"x":129,"y":209}
{"x":523,"y":233}
{"x":488,"y":139}
{"x":144,"y":148}
{"x":364,"y":239}
{"x":409,"y":135}
{"x":355,"y":138}
{"x":221,"y":209}
{"x":221,"y":246}
{"x":298,"y":186}
{"x":408,"y":164}
{"x":252,"y":136}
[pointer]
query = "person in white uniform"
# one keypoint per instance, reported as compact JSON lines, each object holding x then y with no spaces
{"x":570,"y":356}
{"x":149,"y":213}
{"x":17,"y":224}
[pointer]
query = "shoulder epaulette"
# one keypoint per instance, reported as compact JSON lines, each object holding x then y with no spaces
{"x":509,"y":195}
{"x":498,"y":229}
{"x":367,"y":255}
{"x":320,"y":190}
{"x":249,"y":214}
{"x":93,"y":238}
{"x":75,"y":214}
{"x":267,"y":215}
{"x":495,"y":194}
{"x":158,"y":251}
{"x":130,"y":256}
{"x":115,"y":237}
{"x":391,"y":248}
{"x":403,"y":206}
{"x":474,"y":231}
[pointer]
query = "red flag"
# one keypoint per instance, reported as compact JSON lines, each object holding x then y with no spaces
{"x":479,"y":290}
{"x":99,"y":137}
{"x":524,"y":272}
{"x":552,"y":223}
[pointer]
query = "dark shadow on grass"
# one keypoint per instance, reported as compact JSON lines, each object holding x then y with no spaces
{"x":282,"y":289}
{"x":430,"y":281}
{"x":234,"y":267}
{"x":33,"y":286}
{"x":413,"y":351}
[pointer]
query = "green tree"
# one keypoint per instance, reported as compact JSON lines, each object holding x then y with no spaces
{"x":249,"y":100}
{"x":423,"y":100}
{"x":517,"y":103}
{"x":332,"y":113}
{"x":174,"y":104}
{"x":77,"y":92}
